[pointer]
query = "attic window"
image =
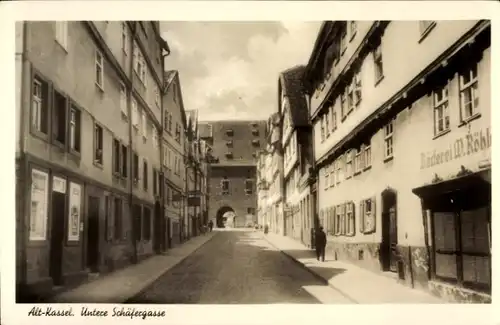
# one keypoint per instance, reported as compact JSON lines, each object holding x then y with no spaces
{"x":255,"y":142}
{"x":230,"y":132}
{"x":229,"y":143}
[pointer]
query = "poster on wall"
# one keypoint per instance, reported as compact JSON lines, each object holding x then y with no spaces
{"x":75,"y":199}
{"x":38,"y":205}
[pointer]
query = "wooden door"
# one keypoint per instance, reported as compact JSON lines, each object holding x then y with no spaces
{"x":393,"y":239}
{"x":57,"y":236}
{"x":93,"y":234}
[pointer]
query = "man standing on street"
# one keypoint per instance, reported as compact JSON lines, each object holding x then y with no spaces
{"x":320,"y":244}
{"x":210,"y":225}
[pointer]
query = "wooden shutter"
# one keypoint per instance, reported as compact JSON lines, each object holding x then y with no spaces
{"x":353,"y":219}
{"x":343,"y":221}
{"x":362,"y":216}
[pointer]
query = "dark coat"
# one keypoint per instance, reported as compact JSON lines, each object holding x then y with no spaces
{"x":320,"y":239}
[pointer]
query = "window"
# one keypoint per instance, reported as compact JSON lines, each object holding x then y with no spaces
{"x":116,"y":157}
{"x":155,"y":182}
{"x":123,"y":99}
{"x":157,"y":95}
{"x":118,"y":215}
{"x":331,"y":168}
{"x":60,"y":109}
{"x":368,"y":157}
{"x":99,"y":69}
{"x":229,"y":132}
{"x":177,"y":132}
{"x":367,"y":216}
{"x":343,"y":104}
{"x":326,"y":172}
{"x":135,"y":114}
{"x":357,"y":162}
{"x":255,"y":143}
{"x":388,"y":140}
{"x":74,"y":129}
{"x":322,"y":128}
{"x":348,"y":163}
{"x":229,"y":143}
{"x":357,"y":88}
{"x":338,"y":220}
{"x":124,"y":38}
{"x":145,"y":175}
{"x":350,"y":98}
{"x":343,"y":41}
{"x":146,"y":226}
{"x":98,"y":144}
{"x":154,"y":133}
{"x":352,"y":29}
{"x":139,"y":64}
{"x":327,"y":123}
{"x":441,"y":111}
{"x":379,"y":67}
{"x":225,"y":186}
{"x":250,"y":210}
{"x":62,"y":34}
{"x":248,"y":186}
{"x":426,"y":26}
{"x":462,"y":249}
{"x":170,"y":122}
{"x":469,"y":97}
{"x":135,"y":166}
{"x":144,"y":125}
{"x":333,"y":115}
{"x":124,"y":159}
{"x":39,"y":106}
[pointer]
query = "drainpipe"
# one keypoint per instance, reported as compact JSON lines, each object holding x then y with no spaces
{"x":129,"y":158}
{"x":165,"y":219}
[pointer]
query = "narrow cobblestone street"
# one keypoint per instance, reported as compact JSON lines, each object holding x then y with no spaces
{"x":238,"y":267}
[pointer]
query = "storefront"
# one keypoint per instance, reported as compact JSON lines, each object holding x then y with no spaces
{"x":458,"y":230}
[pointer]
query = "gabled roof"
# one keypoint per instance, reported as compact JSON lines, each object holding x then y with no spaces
{"x":292,"y":87}
{"x":192,"y":122}
{"x":172,"y":77}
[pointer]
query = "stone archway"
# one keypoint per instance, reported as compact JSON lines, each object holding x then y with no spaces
{"x":222,"y":215}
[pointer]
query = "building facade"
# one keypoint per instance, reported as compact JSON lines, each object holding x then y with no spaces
{"x":173,"y":152}
{"x":297,"y":154}
{"x":85,"y":203}
{"x":234,"y":149}
{"x":403,"y":151}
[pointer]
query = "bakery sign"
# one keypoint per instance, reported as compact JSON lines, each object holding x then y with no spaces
{"x":469,"y":144}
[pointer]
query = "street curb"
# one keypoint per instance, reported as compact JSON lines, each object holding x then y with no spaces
{"x":153,"y":279}
{"x":316,"y":275}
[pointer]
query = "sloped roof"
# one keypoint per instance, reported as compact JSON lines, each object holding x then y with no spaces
{"x":170,"y":77}
{"x":292,"y":87}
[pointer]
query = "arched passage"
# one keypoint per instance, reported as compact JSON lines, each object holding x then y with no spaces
{"x":221,"y":216}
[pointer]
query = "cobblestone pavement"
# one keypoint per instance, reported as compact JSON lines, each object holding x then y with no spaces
{"x":238,"y":267}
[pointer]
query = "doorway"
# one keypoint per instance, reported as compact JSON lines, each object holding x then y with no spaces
{"x":388,"y":251}
{"x":93,"y":234}
{"x":57,"y":236}
{"x":158,"y":229}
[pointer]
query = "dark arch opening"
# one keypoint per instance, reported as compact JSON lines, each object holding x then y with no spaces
{"x":220,"y":220}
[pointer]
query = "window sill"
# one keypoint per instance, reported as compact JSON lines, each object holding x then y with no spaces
{"x":98,"y":165}
{"x":426,"y":32}
{"x":353,"y":35}
{"x":469,"y":119}
{"x":379,"y":80}
{"x":357,"y":173}
{"x":387,"y":159}
{"x":441,"y":134}
{"x":59,"y":144}
{"x":40,"y":135}
{"x":367,"y":168}
{"x":75,"y":153}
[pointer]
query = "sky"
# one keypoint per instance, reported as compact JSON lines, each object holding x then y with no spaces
{"x":229,"y":70}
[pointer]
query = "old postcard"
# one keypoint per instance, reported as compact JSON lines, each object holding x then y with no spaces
{"x":172,"y":163}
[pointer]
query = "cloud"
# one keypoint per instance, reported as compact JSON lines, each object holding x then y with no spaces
{"x":229,"y":70}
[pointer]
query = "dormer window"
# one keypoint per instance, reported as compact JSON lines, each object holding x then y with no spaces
{"x":230,"y":132}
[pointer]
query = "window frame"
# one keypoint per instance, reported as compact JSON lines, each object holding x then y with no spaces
{"x":75,"y":147}
{"x":98,"y":144}
{"x":225,"y":183}
{"x":247,"y":190}
{"x":473,"y":86}
{"x":99,"y":69}
{"x":388,"y":137}
{"x":378,"y":64}
{"x":441,"y":105}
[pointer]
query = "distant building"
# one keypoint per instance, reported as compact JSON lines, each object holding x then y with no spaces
{"x":296,"y":142}
{"x":401,"y":114}
{"x":234,"y":149}
{"x":87,"y":149}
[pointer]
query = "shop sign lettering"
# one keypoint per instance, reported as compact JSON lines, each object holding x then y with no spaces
{"x":469,"y":144}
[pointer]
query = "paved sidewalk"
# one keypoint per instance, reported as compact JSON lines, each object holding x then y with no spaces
{"x":355,"y":283}
{"x":121,"y":285}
